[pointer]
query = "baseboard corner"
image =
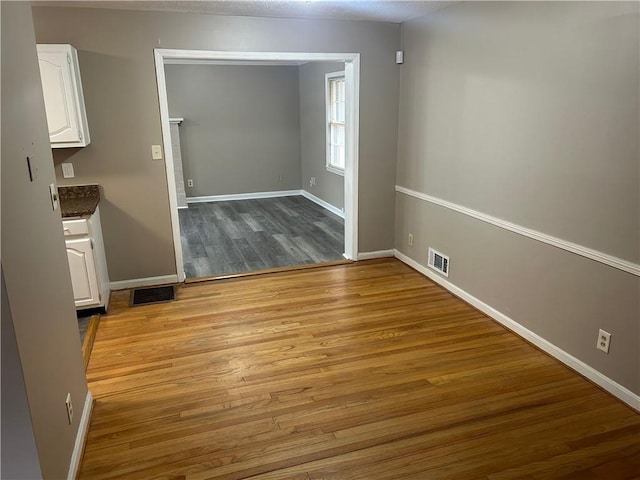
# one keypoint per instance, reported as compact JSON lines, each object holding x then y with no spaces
{"x":326,"y":205}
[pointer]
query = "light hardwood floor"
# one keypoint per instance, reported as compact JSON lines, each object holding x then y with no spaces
{"x":362,"y":371}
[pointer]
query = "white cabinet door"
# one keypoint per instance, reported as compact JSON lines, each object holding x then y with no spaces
{"x":63,"y":96}
{"x":83,"y":272}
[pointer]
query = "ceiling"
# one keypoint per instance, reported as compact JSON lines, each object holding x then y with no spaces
{"x":395,"y":11}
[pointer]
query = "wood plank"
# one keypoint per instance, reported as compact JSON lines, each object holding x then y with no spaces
{"x":366,"y":370}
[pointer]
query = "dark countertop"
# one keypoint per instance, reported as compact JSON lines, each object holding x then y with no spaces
{"x":78,"y":200}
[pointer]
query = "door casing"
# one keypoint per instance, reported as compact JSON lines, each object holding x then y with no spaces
{"x":352,"y":82}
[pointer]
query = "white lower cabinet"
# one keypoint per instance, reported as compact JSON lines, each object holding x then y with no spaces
{"x":87,"y":262}
{"x":83,"y":272}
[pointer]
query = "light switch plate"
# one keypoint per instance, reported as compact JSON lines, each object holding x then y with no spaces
{"x":67,"y":170}
{"x":156,"y":152}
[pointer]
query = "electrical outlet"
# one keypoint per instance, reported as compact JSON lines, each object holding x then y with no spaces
{"x":280,"y":178}
{"x":67,"y":170}
{"x":411,"y":239}
{"x":312,"y":181}
{"x":604,"y":340}
{"x":69,"y":405}
{"x":189,"y":183}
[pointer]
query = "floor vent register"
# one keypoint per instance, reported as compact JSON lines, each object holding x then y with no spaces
{"x":147,"y":296}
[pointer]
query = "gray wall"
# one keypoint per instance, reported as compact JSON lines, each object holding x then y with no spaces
{"x":34,"y":260}
{"x":313,"y":134}
{"x":116,"y":62}
{"x":529,"y":112}
{"x":241,"y":129}
{"x":19,"y":458}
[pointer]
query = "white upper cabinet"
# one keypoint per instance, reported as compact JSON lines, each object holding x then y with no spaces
{"x":63,"y":98}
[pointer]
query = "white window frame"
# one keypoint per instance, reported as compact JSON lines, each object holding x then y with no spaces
{"x":327,"y":92}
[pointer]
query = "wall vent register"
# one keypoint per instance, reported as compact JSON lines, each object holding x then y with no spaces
{"x":438,"y":262}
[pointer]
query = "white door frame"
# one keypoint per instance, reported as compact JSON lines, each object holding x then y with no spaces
{"x":352,"y":83}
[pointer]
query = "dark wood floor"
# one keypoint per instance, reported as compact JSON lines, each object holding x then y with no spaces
{"x":222,"y":238}
{"x":365,"y":371}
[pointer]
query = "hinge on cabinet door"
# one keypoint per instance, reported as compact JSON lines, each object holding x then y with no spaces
{"x":91,"y":244}
{"x":79,"y":134}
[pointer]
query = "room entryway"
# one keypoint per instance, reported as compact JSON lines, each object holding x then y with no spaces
{"x":296,"y":231}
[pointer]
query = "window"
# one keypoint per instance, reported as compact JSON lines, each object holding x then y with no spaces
{"x":335,"y":106}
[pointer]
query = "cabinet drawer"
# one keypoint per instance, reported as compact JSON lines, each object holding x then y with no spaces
{"x":75,"y":227}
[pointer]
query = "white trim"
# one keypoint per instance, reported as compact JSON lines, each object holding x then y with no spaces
{"x":376,"y":254}
{"x":169,"y":54}
{"x":615,"y":262}
{"x":274,"y":63}
{"x":177,"y":120}
{"x":83,"y":430}
{"x":336,"y":170}
{"x":144,"y":282}
{"x":352,"y":86}
{"x":282,"y":193}
{"x":327,"y":120}
{"x":622,"y":393}
{"x":168,"y":160}
{"x":243,"y":196}
{"x":352,"y":155}
{"x":326,"y":205}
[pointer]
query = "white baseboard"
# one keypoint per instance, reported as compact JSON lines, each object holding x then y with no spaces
{"x":376,"y":254}
{"x":255,"y":195}
{"x":622,"y":393}
{"x":317,"y":200}
{"x":143,"y":282}
{"x":83,"y":430}
{"x":243,"y":196}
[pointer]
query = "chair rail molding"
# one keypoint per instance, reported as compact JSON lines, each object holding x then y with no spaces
{"x":615,"y":262}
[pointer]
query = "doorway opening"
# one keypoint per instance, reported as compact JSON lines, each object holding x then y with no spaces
{"x":290,"y":200}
